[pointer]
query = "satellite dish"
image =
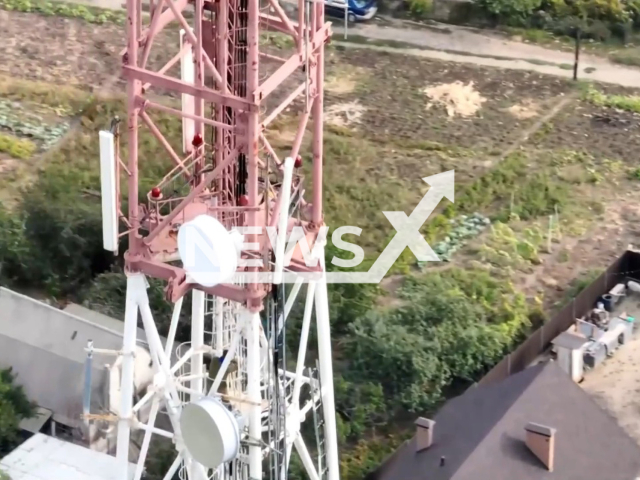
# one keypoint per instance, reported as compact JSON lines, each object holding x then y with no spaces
{"x":210,"y":431}
{"x":209,"y":252}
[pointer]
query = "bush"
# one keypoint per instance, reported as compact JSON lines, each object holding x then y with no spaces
{"x":107,"y":295}
{"x":452,"y":325}
{"x":629,"y":103}
{"x":566,"y":26}
{"x":510,"y":11}
{"x":420,"y":8}
{"x":367,"y":456}
{"x":14,"y":407}
{"x":15,"y":257}
{"x":598,"y":31}
{"x":629,"y":56}
{"x":605,"y":10}
{"x":16,"y":147}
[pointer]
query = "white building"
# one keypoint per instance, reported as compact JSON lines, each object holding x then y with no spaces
{"x":47,"y":458}
{"x":45,"y":347}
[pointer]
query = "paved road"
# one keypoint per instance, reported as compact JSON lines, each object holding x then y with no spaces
{"x":464,"y":45}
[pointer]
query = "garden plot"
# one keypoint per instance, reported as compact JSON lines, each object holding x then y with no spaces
{"x":34,"y":117}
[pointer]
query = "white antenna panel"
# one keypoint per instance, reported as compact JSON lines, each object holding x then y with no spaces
{"x":188,"y":75}
{"x":108,"y":191}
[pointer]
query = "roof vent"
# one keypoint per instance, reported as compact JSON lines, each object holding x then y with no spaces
{"x":424,"y":433}
{"x":541,"y":442}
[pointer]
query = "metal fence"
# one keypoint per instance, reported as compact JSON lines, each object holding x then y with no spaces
{"x":627,"y":266}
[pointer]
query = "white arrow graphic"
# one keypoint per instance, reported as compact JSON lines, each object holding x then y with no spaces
{"x":407,"y":233}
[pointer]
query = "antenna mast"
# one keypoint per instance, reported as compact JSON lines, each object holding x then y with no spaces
{"x":242,"y":421}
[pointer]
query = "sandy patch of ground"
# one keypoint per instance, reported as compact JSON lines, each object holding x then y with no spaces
{"x":526,"y":109}
{"x":344,"y":114}
{"x":615,"y":385}
{"x":457,"y":98}
{"x":340,"y":85}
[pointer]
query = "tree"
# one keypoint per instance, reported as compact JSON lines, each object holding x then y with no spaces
{"x":107,"y":295}
{"x":451,"y":327}
{"x":14,"y":406}
{"x":511,"y":11}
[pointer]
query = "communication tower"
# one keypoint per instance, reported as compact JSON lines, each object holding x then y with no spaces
{"x":243,"y":421}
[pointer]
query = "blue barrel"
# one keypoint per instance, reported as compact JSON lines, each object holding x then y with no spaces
{"x":607,"y":301}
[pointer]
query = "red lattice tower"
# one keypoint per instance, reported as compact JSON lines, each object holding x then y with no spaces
{"x":232,"y":86}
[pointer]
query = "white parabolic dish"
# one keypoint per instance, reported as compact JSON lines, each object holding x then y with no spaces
{"x":210,"y":431}
{"x":208,"y":251}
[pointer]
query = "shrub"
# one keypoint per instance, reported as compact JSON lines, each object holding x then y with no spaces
{"x":510,"y":11}
{"x":451,"y":326}
{"x":629,"y":56}
{"x":598,"y":31}
{"x":14,"y":406}
{"x":606,"y":10}
{"x":65,"y":239}
{"x":629,"y":103}
{"x":107,"y":295}
{"x":367,"y":456}
{"x":420,"y":8}
{"x":16,"y":147}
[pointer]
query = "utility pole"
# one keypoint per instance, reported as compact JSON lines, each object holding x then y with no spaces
{"x":577,"y":54}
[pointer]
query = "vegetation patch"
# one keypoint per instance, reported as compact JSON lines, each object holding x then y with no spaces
{"x":62,"y":100}
{"x":628,"y":103}
{"x":416,"y":351}
{"x":64,"y":9}
{"x":24,"y":124}
{"x":504,"y":248}
{"x":14,"y":407}
{"x":16,"y":147}
{"x":628,"y":56}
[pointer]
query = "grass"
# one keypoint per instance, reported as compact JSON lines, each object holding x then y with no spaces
{"x":630,"y":56}
{"x":544,"y":38}
{"x":64,"y":9}
{"x":18,"y":148}
{"x":581,"y":282}
{"x":399,"y":45}
{"x":533,"y":35}
{"x":63,"y":99}
{"x":74,"y":161}
{"x":628,"y":103}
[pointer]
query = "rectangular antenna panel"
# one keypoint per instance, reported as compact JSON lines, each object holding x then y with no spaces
{"x":188,"y":75}
{"x":108,"y":191}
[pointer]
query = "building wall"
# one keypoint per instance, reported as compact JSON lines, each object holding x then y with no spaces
{"x":45,"y":347}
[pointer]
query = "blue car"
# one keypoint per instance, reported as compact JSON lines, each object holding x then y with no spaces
{"x":358,"y":10}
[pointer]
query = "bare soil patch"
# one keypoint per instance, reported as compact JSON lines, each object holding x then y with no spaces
{"x":457,"y":98}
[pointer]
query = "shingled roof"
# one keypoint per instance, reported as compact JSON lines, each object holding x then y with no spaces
{"x":481,"y":435}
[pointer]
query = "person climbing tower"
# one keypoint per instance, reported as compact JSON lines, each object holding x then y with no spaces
{"x":214,"y":368}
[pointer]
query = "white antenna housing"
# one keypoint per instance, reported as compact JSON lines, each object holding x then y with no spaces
{"x":210,"y":431}
{"x":188,"y":75}
{"x":108,"y":191}
{"x":283,"y":219}
{"x":209,"y":252}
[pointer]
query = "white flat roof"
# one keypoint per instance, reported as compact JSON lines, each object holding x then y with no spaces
{"x":47,"y":458}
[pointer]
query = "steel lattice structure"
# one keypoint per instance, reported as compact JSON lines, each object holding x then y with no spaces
{"x":228,"y":169}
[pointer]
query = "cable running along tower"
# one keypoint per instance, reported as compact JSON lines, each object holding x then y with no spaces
{"x":234,"y":397}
